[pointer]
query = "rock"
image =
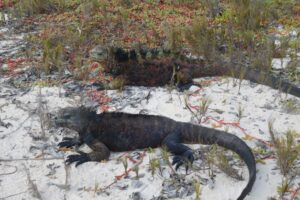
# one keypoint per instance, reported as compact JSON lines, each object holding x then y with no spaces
{"x":171,"y":194}
{"x":6,"y":125}
{"x":136,"y":196}
{"x":261,"y":132}
{"x":99,"y":53}
{"x":211,"y":183}
{"x":136,"y":184}
{"x":280,"y":63}
{"x":259,"y":91}
{"x":160,"y":197}
{"x":72,"y":86}
{"x":122,"y":186}
{"x":178,"y":115}
{"x":4,"y":67}
{"x":183,"y":192}
{"x":144,"y":111}
{"x":273,"y":173}
{"x":253,"y":85}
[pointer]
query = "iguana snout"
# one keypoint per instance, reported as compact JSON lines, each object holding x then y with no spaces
{"x":72,"y":118}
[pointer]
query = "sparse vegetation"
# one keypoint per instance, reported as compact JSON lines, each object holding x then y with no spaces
{"x":136,"y":171}
{"x":213,"y":33}
{"x":213,"y":30}
{"x":125,"y":164}
{"x":286,"y":150}
{"x":154,"y":165}
{"x":219,"y":158}
{"x":287,"y":153}
{"x":203,"y":107}
{"x":197,"y":189}
{"x":240,"y":112}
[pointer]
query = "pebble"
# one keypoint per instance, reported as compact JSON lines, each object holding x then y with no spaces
{"x":172,"y":194}
{"x":136,"y":196}
{"x":259,"y":91}
{"x":98,"y":53}
{"x":136,"y":184}
{"x":122,"y":186}
{"x":144,"y":111}
{"x":211,"y":184}
{"x":273,"y":173}
{"x":4,"y":67}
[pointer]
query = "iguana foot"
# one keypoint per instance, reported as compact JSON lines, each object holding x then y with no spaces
{"x":78,"y":159}
{"x":69,"y":142}
{"x":186,"y":159}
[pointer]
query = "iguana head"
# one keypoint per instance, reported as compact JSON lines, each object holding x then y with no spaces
{"x":76,"y":118}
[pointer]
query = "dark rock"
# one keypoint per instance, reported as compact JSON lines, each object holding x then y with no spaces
{"x":136,"y":196}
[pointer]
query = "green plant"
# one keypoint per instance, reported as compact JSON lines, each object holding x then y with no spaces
{"x":204,"y":105}
{"x":136,"y":171}
{"x":210,"y":159}
{"x":223,"y":164}
{"x":197,"y":189}
{"x":241,"y":77}
{"x":250,"y":14}
{"x":97,"y":188}
{"x":261,"y":54}
{"x":284,"y":187}
{"x":174,"y":39}
{"x":292,"y":69}
{"x":202,"y":39}
{"x":125,"y":164}
{"x":217,"y":157}
{"x":240,"y":112}
{"x":32,"y":7}
{"x":285,"y":149}
{"x":165,"y":154}
{"x":154,"y":164}
{"x":213,"y":7}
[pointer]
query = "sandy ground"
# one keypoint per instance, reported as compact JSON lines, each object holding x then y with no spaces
{"x":32,"y":168}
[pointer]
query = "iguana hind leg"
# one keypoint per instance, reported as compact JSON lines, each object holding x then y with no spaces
{"x":183,"y":155}
{"x":100,"y":152}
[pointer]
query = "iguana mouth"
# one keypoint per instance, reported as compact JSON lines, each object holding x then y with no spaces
{"x":60,"y":122}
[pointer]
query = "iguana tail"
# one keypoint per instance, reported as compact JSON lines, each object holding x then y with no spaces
{"x":269,"y":79}
{"x":200,"y":134}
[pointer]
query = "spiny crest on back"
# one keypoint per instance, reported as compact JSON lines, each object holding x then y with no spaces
{"x":82,"y":110}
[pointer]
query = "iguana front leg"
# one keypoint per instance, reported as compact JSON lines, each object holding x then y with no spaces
{"x":100,"y":152}
{"x":183,"y":154}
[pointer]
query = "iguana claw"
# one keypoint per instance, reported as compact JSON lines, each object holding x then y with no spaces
{"x":68,"y":142}
{"x":78,"y":159}
{"x":186,"y":159}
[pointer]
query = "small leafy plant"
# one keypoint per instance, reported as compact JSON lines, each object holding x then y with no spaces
{"x":197,"y":189}
{"x":136,"y":171}
{"x":154,"y":165}
{"x":125,"y":164}
{"x":285,"y":149}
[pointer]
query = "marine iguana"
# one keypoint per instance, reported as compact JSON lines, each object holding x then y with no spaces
{"x":133,"y":66}
{"x":123,"y":132}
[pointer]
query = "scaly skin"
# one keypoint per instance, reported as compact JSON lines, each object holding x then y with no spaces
{"x":123,"y":132}
{"x":158,"y":71}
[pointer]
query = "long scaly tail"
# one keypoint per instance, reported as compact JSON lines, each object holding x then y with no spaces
{"x":204,"y":135}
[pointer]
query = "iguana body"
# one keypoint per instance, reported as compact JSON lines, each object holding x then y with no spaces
{"x":123,"y":132}
{"x":160,"y":71}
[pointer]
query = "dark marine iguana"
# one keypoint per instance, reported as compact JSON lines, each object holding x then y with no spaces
{"x":136,"y":69}
{"x":123,"y":132}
